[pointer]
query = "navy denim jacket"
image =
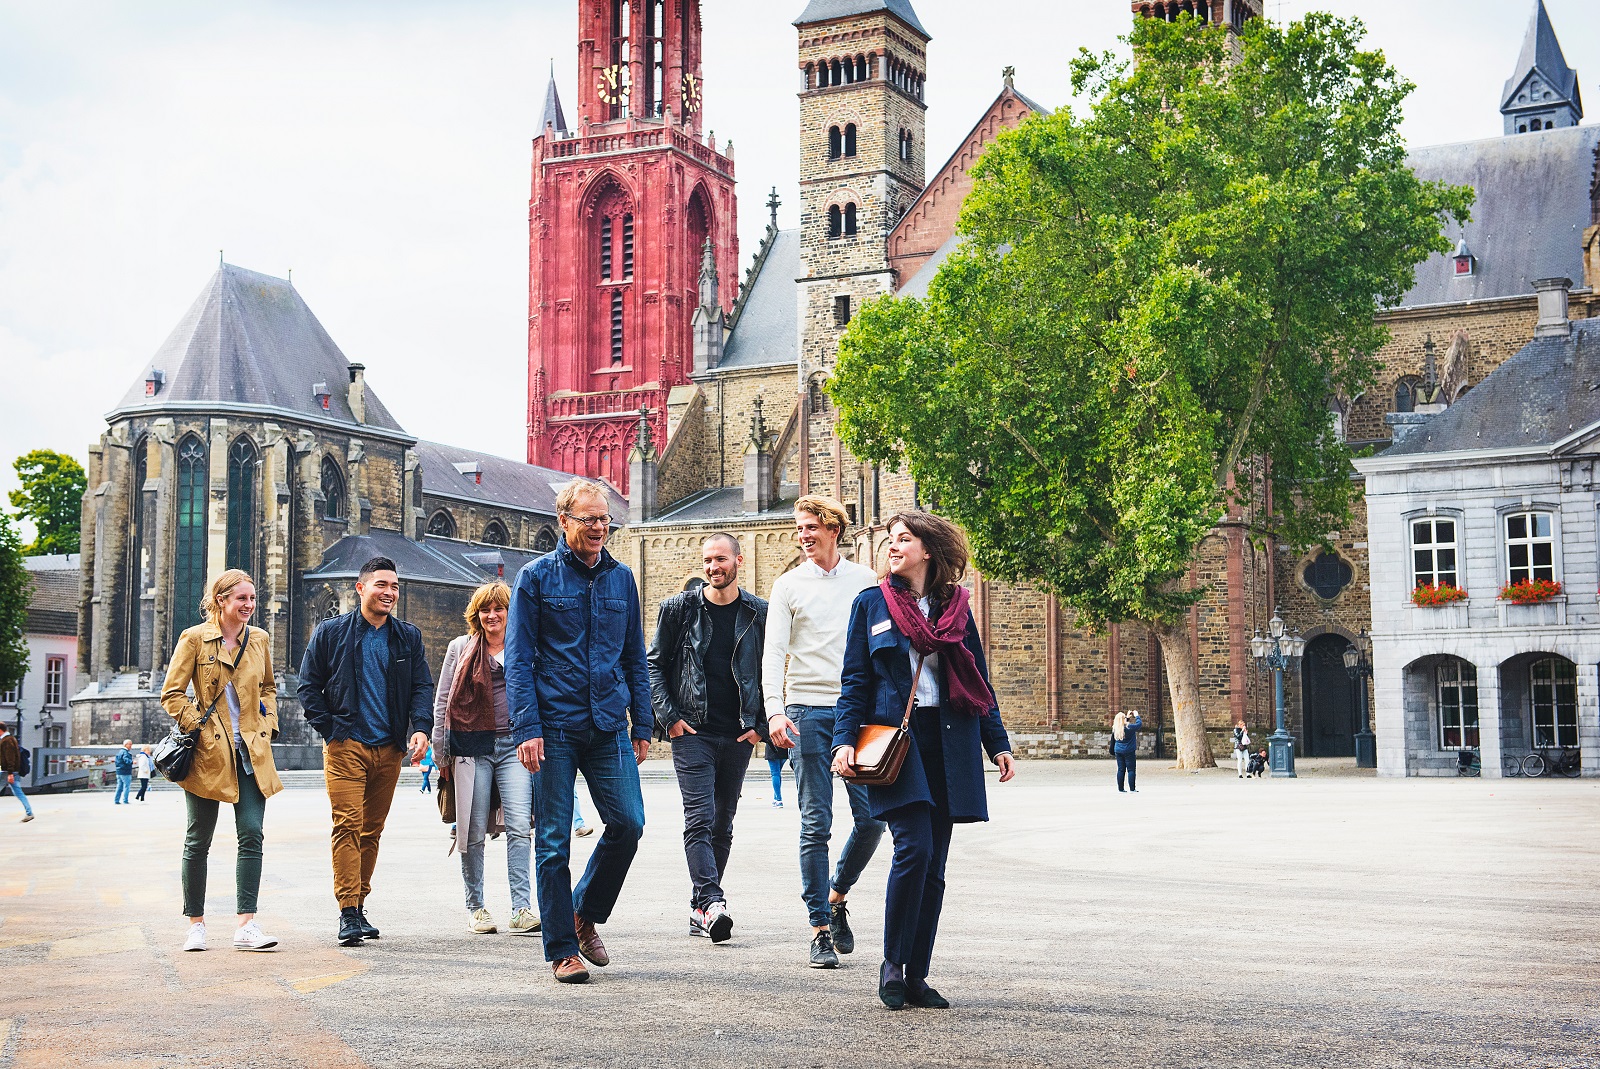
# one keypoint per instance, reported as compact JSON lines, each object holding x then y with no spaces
{"x":575,"y":648}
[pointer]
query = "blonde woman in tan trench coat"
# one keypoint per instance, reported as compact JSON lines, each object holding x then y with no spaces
{"x":228,"y":665}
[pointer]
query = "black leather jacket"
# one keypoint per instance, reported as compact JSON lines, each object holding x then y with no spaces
{"x":678,"y":655}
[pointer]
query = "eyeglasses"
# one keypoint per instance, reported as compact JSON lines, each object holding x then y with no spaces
{"x":589,"y":522}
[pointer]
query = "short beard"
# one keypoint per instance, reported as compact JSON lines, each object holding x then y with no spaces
{"x":733,"y":579}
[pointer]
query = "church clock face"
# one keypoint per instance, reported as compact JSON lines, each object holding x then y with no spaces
{"x":691,"y":94}
{"x":613,"y":85}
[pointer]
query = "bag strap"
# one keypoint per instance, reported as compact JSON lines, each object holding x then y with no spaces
{"x":224,"y":688}
{"x":911,"y":701}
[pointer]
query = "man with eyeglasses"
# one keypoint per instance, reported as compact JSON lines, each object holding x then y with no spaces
{"x":575,"y":670}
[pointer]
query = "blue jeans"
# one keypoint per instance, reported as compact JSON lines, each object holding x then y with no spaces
{"x":16,"y":789}
{"x":813,"y":775}
{"x":124,"y":788}
{"x":776,"y":767}
{"x":501,"y":770}
{"x":606,"y":760}
{"x":1127,"y":764}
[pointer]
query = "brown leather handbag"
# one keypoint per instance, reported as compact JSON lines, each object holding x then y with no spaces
{"x":881,"y":749}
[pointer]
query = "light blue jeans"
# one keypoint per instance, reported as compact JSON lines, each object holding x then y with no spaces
{"x":16,"y":789}
{"x":124,"y":789}
{"x":516,"y":797}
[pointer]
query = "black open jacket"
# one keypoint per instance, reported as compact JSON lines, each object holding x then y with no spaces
{"x":329,"y":688}
{"x":677,"y":661}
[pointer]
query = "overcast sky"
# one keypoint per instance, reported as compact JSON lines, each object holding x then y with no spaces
{"x":380,"y":149}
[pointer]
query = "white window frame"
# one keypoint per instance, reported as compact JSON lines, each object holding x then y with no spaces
{"x":55,"y":682}
{"x":1545,"y":703}
{"x":1457,"y":678}
{"x":1530,"y":542}
{"x":1433,"y":548}
{"x":13,"y":696}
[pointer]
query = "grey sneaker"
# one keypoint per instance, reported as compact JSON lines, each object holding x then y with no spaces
{"x":480,"y":923}
{"x":822,"y":955}
{"x":524,"y":922}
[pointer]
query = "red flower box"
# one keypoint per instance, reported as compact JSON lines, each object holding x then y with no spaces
{"x":1529,"y":591}
{"x":1431,"y":596}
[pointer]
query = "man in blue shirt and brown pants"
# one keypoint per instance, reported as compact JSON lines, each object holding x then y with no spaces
{"x":366,"y":689}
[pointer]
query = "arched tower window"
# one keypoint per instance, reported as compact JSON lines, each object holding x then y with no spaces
{"x":850,"y":139}
{"x":244,"y":465}
{"x":136,"y":547}
{"x":835,"y":221}
{"x":627,"y":247}
{"x":442,"y":525}
{"x":861,"y":68}
{"x":1405,"y":394}
{"x":835,"y":73}
{"x":333,"y":499}
{"x":849,"y":220}
{"x":495,"y":534}
{"x":617,"y":331}
{"x":655,"y":57}
{"x":189,"y":571}
{"x":605,"y":249}
{"x":612,"y":248}
{"x":835,"y":143}
{"x":544,"y":541}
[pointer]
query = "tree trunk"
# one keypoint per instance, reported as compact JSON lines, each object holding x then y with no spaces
{"x":1183,"y":676}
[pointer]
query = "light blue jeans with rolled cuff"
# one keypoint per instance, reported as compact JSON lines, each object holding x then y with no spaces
{"x":504,"y":771}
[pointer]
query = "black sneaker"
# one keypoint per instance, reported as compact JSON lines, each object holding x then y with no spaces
{"x":367,"y":930}
{"x":822,"y":955}
{"x":844,"y":940}
{"x":350,"y":927}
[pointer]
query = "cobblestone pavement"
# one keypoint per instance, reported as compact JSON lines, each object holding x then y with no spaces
{"x":1334,"y":920}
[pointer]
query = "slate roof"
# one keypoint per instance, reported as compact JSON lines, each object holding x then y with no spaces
{"x":553,"y":116}
{"x":823,"y":10}
{"x":512,"y":483}
{"x":53,"y":605}
{"x":721,"y":504}
{"x":1546,"y":393}
{"x":1528,"y":222}
{"x":250,"y":340}
{"x":1541,"y":52}
{"x":768,"y":331}
{"x":441,"y":561}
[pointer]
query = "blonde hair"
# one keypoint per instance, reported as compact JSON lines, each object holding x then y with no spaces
{"x":832,"y":514}
{"x":1119,"y":727}
{"x":220,"y":588}
{"x":495,"y":594}
{"x":579,"y":488}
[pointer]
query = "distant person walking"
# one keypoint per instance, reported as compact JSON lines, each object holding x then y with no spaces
{"x":777,"y":757}
{"x":914,"y":649}
{"x":124,"y":770}
{"x":428,"y":764}
{"x":472,"y":738}
{"x":220,"y":681}
{"x":366,"y":689}
{"x":575,"y":669}
{"x":807,"y":617}
{"x":142,"y":766}
{"x":1241,"y":749}
{"x":705,"y":682}
{"x":1125,"y":746}
{"x":11,"y":765}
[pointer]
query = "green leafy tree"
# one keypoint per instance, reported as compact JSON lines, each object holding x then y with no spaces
{"x":16,"y":587}
{"x":52,"y":497}
{"x":1155,"y":305}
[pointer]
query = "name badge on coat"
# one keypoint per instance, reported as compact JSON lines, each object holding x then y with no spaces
{"x":880,"y":628}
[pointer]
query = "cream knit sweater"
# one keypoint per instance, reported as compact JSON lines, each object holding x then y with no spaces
{"x":807,"y":616}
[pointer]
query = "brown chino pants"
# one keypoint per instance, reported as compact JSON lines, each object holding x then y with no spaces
{"x":361,"y":783}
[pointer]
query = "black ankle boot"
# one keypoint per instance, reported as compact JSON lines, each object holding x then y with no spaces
{"x":350,"y":927}
{"x":892,"y":986}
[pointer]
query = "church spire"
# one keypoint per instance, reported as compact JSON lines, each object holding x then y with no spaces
{"x":553,"y":116}
{"x":1542,"y":93}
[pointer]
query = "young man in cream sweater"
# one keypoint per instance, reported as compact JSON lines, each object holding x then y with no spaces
{"x":807,"y":617}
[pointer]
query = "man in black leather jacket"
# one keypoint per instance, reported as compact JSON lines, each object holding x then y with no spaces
{"x":705,"y":690}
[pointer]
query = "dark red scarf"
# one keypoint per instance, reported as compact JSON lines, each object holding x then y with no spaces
{"x":469,"y":714}
{"x":965,"y":688}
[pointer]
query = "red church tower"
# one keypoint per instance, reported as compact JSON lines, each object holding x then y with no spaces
{"x":621,"y":208}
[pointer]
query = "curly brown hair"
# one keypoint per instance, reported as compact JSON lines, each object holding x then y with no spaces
{"x":946,"y":546}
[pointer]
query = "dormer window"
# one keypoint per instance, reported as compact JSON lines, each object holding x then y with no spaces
{"x":472,"y":470}
{"x":154,"y":381}
{"x":319,"y":390}
{"x":1465,"y":263}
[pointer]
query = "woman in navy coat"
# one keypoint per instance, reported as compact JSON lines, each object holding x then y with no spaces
{"x":920,"y":611}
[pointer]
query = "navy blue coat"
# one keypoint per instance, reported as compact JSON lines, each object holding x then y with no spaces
{"x":1129,"y":743}
{"x":330,"y":684}
{"x":875,"y":685}
{"x":575,"y":648}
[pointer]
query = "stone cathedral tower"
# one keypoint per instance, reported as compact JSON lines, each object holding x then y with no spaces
{"x":863,"y":65}
{"x":619,"y":215}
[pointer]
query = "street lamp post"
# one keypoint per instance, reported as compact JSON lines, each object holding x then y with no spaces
{"x":1358,"y":662}
{"x":1275,"y":650}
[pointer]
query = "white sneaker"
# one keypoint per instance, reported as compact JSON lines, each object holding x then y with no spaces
{"x":524,"y":922}
{"x":251,"y":937}
{"x":777,"y":803}
{"x":196,"y":939}
{"x":480,"y":923}
{"x":719,"y":924}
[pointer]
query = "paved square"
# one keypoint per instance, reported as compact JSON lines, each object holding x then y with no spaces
{"x":1334,"y":920}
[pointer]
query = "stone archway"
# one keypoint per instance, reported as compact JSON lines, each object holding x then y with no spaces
{"x":1331,"y":714}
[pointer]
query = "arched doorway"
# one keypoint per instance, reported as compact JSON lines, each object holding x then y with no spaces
{"x":1331,"y":718}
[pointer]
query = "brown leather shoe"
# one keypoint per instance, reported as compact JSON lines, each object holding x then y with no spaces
{"x":570,"y":970}
{"x":589,"y":944}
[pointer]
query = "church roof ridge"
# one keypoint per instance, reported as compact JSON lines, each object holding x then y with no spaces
{"x":250,"y":340}
{"x":824,"y":10}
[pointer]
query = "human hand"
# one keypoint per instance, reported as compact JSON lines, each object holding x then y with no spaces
{"x":679,"y":729}
{"x":844,"y":760}
{"x":752,"y":737}
{"x":641,"y":747}
{"x":531,"y":754}
{"x":419,"y":746}
{"x":1007,"y":766}
{"x":10,"y":778}
{"x":785,"y":734}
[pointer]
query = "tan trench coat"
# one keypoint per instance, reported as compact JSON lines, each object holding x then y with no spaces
{"x":202,"y":660}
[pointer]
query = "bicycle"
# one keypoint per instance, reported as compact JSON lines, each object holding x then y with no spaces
{"x":1510,"y":766}
{"x":1564,"y":763}
{"x":1469,"y":763}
